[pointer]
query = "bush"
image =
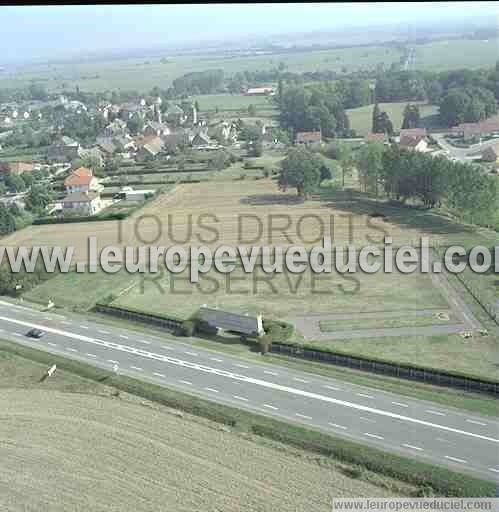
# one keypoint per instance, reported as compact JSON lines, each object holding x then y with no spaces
{"x":188,"y":328}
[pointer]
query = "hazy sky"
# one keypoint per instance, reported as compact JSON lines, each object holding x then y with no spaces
{"x":53,"y":31}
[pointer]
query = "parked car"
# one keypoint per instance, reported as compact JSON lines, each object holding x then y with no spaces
{"x":35,"y":333}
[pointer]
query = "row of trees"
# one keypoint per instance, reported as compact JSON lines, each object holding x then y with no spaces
{"x":434,"y":181}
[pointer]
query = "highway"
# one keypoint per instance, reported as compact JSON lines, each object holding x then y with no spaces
{"x":414,"y":428}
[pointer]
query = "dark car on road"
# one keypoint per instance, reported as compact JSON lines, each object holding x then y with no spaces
{"x":35,"y":333}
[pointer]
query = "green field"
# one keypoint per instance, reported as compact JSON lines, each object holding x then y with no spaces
{"x":361,"y":117}
{"x":145,"y":73}
{"x":234,"y":102}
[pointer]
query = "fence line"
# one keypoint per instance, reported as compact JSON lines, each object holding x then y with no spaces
{"x":427,"y":375}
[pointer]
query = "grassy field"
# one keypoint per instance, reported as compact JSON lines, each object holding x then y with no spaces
{"x":81,"y":445}
{"x":476,"y":356}
{"x":232,"y":102}
{"x":361,"y":118}
{"x":282,"y":295}
{"x":381,"y":323}
{"x":143,"y":74}
{"x":459,"y":54}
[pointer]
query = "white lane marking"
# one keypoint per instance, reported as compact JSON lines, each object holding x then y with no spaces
{"x":136,"y":368}
{"x":241,"y":366}
{"x":66,"y":323}
{"x":72,"y":350}
{"x":83,"y":327}
{"x":303,"y":416}
{"x":494,"y":470}
{"x":112,"y":361}
{"x":363,"y":395}
{"x":166,"y":348}
{"x":212,"y":390}
{"x":159,"y":375}
{"x":52,"y":344}
{"x":412,"y":447}
{"x":337,"y":426}
{"x":268,"y":372}
{"x":477,"y":423}
{"x":123,"y":336}
{"x":443,"y":440}
{"x":301,"y":380}
{"x":373,"y":435}
{"x":456,"y":459}
{"x":400,"y":404}
{"x":186,"y":382}
{"x":191,"y":353}
{"x":144,"y":342}
{"x":91,"y":355}
{"x":249,"y":380}
{"x":17,"y":334}
{"x":332,"y":388}
{"x":217,"y":360}
{"x":270,"y":407}
{"x":435,"y":412}
{"x":103,"y":332}
{"x":240,"y":398}
{"x":367,"y":419}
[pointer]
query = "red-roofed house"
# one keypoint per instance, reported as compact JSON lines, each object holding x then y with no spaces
{"x":81,"y":180}
{"x":308,"y":138}
{"x":413,"y":142}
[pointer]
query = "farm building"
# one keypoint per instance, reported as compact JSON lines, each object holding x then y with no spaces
{"x":376,"y":137}
{"x":260,"y":91}
{"x":130,"y":194}
{"x":241,"y":324}
{"x":149,"y":148}
{"x":308,"y":138}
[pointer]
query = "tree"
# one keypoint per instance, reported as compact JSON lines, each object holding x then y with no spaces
{"x":411,"y":117}
{"x":369,"y":162}
{"x":251,"y":110}
{"x":135,"y":125}
{"x":301,"y":170}
{"x":345,"y":159}
{"x":255,"y":149}
{"x":15,"y":183}
{"x":38,"y":198}
{"x":375,"y":118}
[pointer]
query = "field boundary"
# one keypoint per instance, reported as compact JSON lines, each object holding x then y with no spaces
{"x":380,"y":366}
{"x":426,"y":476}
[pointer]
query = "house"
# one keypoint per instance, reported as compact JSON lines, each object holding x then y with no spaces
{"x":149,"y":148}
{"x":175,"y":114}
{"x":81,"y":180}
{"x":414,"y":142}
{"x":223,"y":130}
{"x":491,"y":154}
{"x":106,"y":145}
{"x":260,"y":91}
{"x":65,"y":150}
{"x":116,"y":128}
{"x":156,"y":128}
{"x":85,"y":203}
{"x":308,"y":138}
{"x":124,"y":143}
{"x":202,"y":141}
